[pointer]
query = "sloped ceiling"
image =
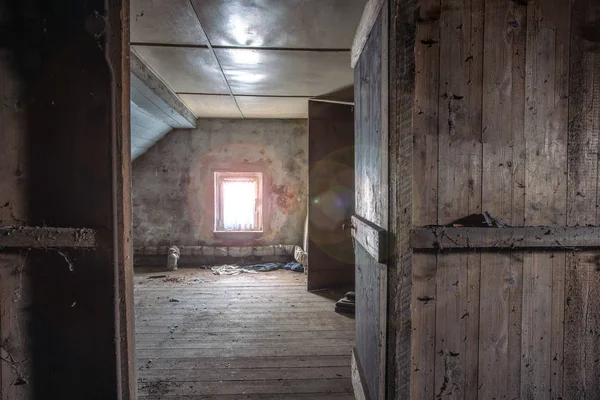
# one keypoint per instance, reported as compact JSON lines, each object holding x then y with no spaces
{"x":247,"y":58}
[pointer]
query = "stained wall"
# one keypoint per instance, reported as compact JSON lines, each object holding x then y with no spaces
{"x":173,"y":184}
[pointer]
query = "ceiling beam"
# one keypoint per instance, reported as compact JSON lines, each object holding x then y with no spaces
{"x":150,"y":93}
{"x":203,"y":46}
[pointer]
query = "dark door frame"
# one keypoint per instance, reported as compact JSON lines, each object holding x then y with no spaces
{"x":117,"y":55}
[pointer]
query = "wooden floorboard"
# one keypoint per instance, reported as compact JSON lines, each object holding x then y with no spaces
{"x":251,"y":336}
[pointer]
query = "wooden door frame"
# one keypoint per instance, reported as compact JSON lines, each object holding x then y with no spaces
{"x":373,"y":9}
{"x":402,"y":97}
{"x":117,"y":53}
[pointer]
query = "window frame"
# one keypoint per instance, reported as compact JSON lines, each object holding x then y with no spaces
{"x":218,"y":178}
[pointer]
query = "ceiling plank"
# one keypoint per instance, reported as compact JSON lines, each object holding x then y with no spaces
{"x":170,"y":21}
{"x":185,"y":69}
{"x":212,"y":105}
{"x":204,"y":46}
{"x":307,"y":24}
{"x":273,"y":107}
{"x":148,"y":91}
{"x":291,"y":73}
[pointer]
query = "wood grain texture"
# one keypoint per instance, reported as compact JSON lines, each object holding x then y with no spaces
{"x":532,"y":162}
{"x":423,"y":316}
{"x":373,"y":238}
{"x":246,"y":343}
{"x":459,"y":186}
{"x":358,"y":385}
{"x":368,"y":319}
{"x":459,"y":151}
{"x":118,"y":54}
{"x":367,"y":130}
{"x":371,"y":144}
{"x":514,"y":287}
{"x":546,"y":113}
{"x":367,"y":21}
{"x":425,"y":115}
{"x":425,"y":194}
{"x":503,"y":192}
{"x":403,"y":14}
{"x":582,"y":279}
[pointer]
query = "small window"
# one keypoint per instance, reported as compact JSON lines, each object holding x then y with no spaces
{"x":238,"y":202}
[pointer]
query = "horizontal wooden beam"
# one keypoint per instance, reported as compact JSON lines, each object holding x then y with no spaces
{"x":221,"y":47}
{"x":438,"y":238}
{"x":149,"y":92}
{"x":371,"y":237}
{"x":45,"y":237}
{"x":347,"y":103}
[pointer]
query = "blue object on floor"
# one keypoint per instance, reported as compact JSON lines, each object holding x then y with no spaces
{"x":291,"y":266}
{"x":294,"y":266}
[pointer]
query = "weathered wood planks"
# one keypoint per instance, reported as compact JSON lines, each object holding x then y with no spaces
{"x":367,"y":21}
{"x":251,"y":336}
{"x":459,"y":189}
{"x":372,"y":179}
{"x":582,"y":279}
{"x":523,"y":299}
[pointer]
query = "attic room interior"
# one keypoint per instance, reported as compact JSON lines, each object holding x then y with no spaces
{"x":303,"y":199}
{"x":241,"y":112}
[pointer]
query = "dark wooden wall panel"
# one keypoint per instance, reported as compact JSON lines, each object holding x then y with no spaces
{"x":506,"y":120}
{"x":331,"y":188}
{"x":14,"y":284}
{"x":425,"y":195}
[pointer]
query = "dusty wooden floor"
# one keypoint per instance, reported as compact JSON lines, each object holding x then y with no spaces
{"x":251,"y":336}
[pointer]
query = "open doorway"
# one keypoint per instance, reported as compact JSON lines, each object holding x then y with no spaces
{"x":242,"y":147}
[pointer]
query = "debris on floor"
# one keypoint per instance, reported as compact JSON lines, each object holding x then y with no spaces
{"x":256,"y":268}
{"x":346,"y":304}
{"x":172,"y":258}
{"x":174,"y":279}
{"x":173,"y":300}
{"x":157,"y":276}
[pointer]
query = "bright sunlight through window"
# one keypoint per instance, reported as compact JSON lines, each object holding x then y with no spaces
{"x":238,"y":202}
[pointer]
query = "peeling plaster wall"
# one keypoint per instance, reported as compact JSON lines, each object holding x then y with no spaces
{"x":173,"y":188}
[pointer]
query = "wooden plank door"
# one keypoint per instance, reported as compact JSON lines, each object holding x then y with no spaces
{"x":331,"y":194}
{"x":371,"y":220}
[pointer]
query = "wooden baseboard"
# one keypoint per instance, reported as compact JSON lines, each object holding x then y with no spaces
{"x":358,"y":380}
